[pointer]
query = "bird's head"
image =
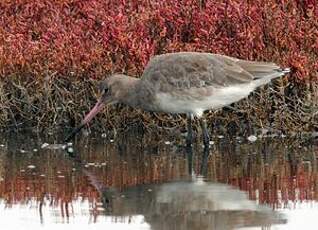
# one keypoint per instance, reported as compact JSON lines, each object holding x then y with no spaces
{"x":110,"y":91}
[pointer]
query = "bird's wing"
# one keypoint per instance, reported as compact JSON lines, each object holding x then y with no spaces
{"x":181,"y":71}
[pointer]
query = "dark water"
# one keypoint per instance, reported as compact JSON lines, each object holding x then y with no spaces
{"x":136,"y":182}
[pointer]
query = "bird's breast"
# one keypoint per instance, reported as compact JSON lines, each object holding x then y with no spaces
{"x":196,"y":101}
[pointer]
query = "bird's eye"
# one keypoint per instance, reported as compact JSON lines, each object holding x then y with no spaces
{"x":106,"y":90}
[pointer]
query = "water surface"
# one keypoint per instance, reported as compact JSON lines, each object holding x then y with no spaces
{"x":136,"y":182}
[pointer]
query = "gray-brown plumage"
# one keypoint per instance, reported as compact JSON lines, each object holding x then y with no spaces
{"x":187,"y":82}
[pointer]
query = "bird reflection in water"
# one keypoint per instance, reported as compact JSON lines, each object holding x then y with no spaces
{"x":190,"y":204}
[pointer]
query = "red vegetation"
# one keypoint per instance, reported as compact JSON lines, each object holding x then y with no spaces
{"x":91,"y":38}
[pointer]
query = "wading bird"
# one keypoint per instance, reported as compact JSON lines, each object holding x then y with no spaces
{"x":186,"y":83}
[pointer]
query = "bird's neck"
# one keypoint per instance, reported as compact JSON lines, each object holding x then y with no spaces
{"x":138,"y":94}
{"x":129,"y":94}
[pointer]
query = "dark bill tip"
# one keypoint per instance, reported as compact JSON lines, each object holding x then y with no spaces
{"x":99,"y":105}
{"x":74,"y":132}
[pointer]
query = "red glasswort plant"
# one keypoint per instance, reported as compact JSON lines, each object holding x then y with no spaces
{"x":90,"y":38}
{"x":50,"y":49}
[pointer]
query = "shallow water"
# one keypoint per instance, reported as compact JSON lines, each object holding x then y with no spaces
{"x":137,"y":182}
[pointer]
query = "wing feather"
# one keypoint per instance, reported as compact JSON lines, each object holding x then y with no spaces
{"x":186,"y":70}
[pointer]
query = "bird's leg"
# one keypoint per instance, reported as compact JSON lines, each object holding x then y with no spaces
{"x":204,"y":163}
{"x":189,"y":130}
{"x":206,"y":137}
{"x":189,"y":152}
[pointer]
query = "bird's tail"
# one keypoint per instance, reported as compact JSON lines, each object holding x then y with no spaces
{"x":285,"y":70}
{"x":272,"y":75}
{"x":262,"y":72}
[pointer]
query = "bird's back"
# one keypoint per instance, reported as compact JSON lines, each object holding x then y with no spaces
{"x":203,"y":80}
{"x":186,"y":70}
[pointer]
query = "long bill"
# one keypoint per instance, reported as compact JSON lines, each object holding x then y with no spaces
{"x":96,"y":109}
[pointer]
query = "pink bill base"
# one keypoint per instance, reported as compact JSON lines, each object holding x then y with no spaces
{"x":99,"y":105}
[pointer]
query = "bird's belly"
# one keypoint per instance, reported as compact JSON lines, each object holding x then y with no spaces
{"x":220,"y":97}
